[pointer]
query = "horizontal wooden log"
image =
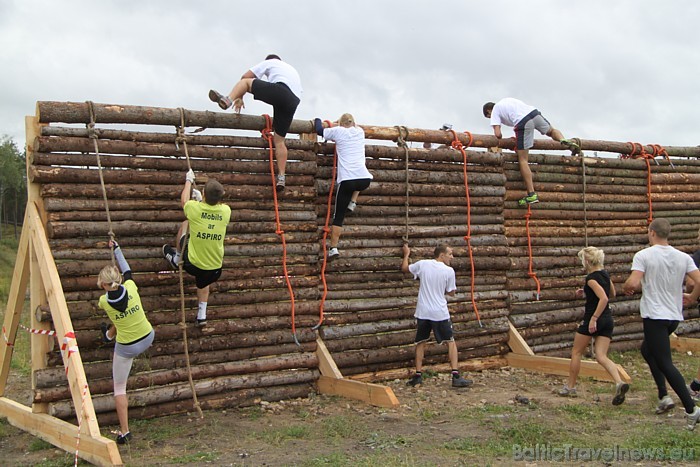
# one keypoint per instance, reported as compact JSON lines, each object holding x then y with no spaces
{"x":182,"y":391}
{"x":55,"y":376}
{"x":74,"y":112}
{"x":231,"y":399}
{"x":178,"y":375}
{"x":198,"y":342}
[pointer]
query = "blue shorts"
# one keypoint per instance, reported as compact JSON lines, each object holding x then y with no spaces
{"x":525,"y":129}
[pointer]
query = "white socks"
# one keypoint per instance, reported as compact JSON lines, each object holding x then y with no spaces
{"x":202,"y":311}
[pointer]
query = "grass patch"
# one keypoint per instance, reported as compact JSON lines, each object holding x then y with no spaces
{"x":342,"y":427}
{"x":338,"y":459}
{"x":381,"y":442}
{"x":277,"y":436}
{"x":157,"y":431}
{"x":38,"y":444}
{"x":194,"y":457}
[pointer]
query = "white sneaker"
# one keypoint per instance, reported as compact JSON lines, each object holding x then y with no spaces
{"x":693,"y":418}
{"x":333,"y":253}
{"x":281,"y":182}
{"x":352,"y":206}
{"x":665,"y":404}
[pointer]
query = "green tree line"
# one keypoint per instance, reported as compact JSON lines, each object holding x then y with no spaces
{"x":13,"y":185}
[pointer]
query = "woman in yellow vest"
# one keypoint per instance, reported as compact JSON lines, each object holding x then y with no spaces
{"x":133,"y":332}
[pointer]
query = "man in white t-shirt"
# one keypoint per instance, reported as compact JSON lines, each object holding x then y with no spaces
{"x":660,"y":270}
{"x":281,"y":88}
{"x":437,"y":279}
{"x":352,"y":177}
{"x":524,"y":119}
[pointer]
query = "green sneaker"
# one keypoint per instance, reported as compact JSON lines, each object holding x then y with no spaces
{"x":529,"y":199}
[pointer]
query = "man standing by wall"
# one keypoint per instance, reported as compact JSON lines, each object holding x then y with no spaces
{"x":437,"y":278}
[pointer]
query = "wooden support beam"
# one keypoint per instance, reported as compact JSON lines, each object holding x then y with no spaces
{"x":15,"y":303}
{"x":331,"y":381}
{"x":95,"y":449}
{"x":560,"y":366}
{"x":326,"y":364}
{"x":685,"y":344}
{"x":517,"y":343}
{"x":375,"y":394}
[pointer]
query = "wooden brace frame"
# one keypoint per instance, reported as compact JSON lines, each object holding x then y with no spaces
{"x":36,"y":264}
{"x":522,"y":356}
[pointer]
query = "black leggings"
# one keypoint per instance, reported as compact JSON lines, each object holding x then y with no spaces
{"x":656,"y":350}
{"x":344,"y":195}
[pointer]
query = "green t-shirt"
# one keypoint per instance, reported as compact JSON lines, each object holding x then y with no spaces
{"x":131,"y":323}
{"x":207,"y":231}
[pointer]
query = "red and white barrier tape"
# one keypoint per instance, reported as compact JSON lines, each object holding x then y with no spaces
{"x":42,"y":332}
{"x":80,"y":422}
{"x":70,"y":346}
{"x":4,"y":336}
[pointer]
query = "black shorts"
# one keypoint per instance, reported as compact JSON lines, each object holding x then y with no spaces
{"x":441,"y":329}
{"x":604,"y":326}
{"x":202,"y":277}
{"x":343,"y":196}
{"x":283,"y":101}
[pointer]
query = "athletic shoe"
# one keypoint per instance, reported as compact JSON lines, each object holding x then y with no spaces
{"x":566,"y":391}
{"x":124,"y":438}
{"x":529,"y":199}
{"x":693,"y":418}
{"x":665,"y":404}
{"x":352,"y":206}
{"x":694,"y":394}
{"x":169,"y":253}
{"x":620,"y":391}
{"x":573,"y":147}
{"x":415,"y":380}
{"x":201,"y":322}
{"x":281,"y":181}
{"x":459,"y":382}
{"x":333,"y":253}
{"x":223,"y":101}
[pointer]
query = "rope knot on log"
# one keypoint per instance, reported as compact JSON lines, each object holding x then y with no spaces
{"x":403,"y":136}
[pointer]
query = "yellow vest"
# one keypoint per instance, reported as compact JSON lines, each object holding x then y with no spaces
{"x":207,"y":231}
{"x":131,"y":323}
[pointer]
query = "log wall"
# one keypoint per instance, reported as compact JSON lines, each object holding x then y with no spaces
{"x":247,"y":350}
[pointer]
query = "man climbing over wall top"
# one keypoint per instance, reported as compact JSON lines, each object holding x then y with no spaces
{"x":200,"y":239}
{"x":524,"y":119}
{"x":281,"y":88}
{"x":437,"y":279}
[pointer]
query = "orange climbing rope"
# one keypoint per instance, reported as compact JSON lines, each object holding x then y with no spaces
{"x":530,"y":272}
{"x":267,"y":134}
{"x":326,"y":230}
{"x":457,"y":144}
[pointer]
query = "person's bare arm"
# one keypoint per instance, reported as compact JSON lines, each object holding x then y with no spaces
{"x":497,"y":131}
{"x":633,"y":283}
{"x":406,"y":255}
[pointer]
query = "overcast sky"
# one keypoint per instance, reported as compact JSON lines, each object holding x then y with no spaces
{"x":622,"y":70}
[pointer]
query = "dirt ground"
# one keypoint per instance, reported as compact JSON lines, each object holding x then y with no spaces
{"x":504,"y":413}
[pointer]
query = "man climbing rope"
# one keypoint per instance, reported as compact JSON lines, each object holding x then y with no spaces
{"x":524,"y":119}
{"x":437,"y":279}
{"x":202,"y":250}
{"x":353,"y":176}
{"x":281,"y":89}
{"x":130,"y":327}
